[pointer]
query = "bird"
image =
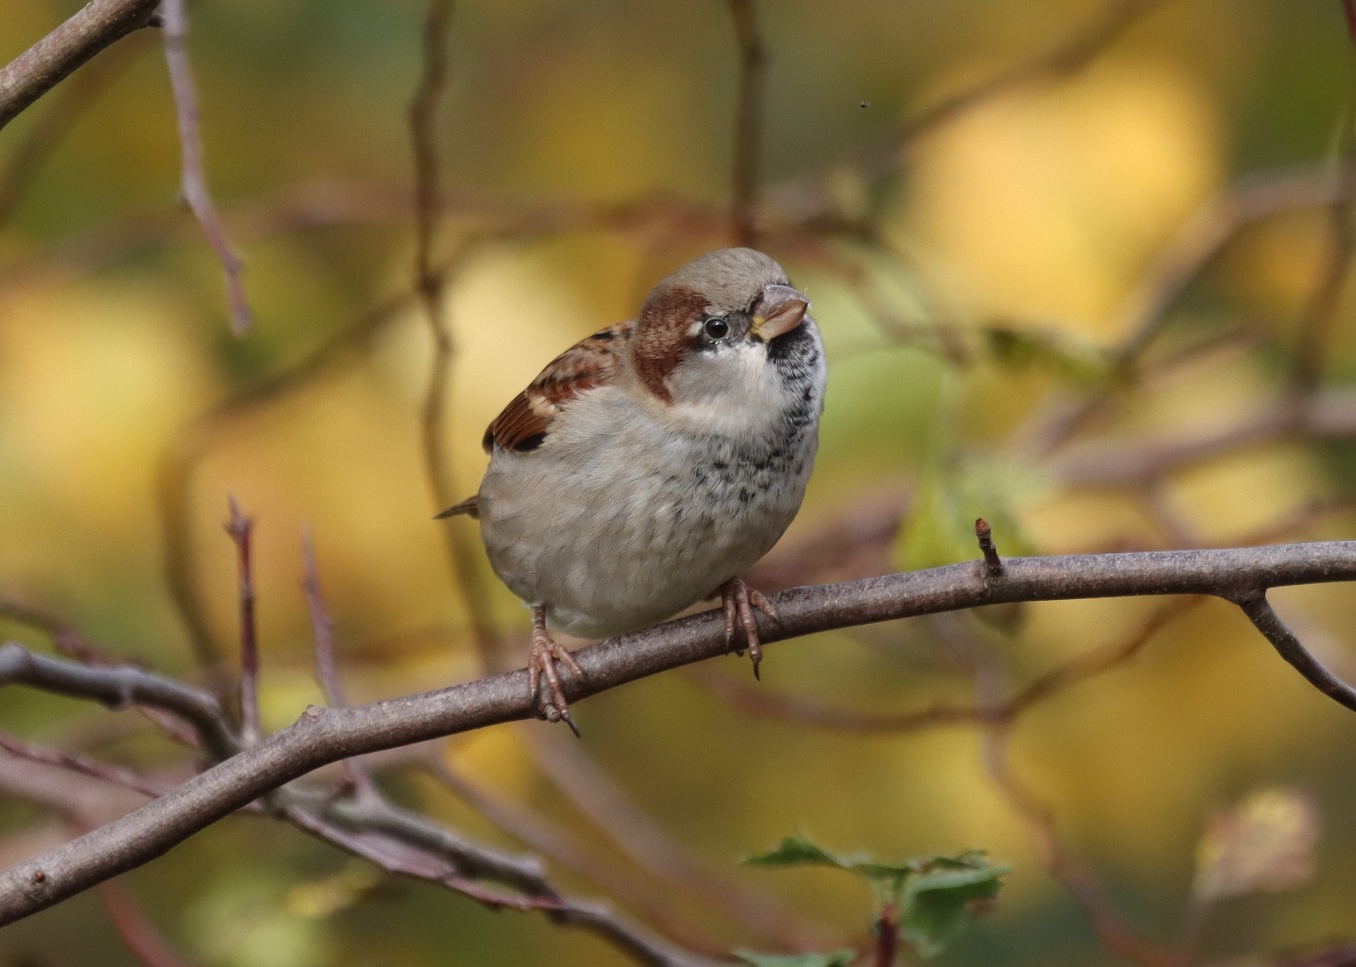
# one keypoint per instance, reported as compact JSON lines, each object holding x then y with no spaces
{"x":650,"y":465}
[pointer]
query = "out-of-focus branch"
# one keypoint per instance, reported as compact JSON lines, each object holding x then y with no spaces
{"x":1319,"y":313}
{"x":121,"y":685}
{"x":71,"y":762}
{"x":1128,"y":464}
{"x":1200,"y":242}
{"x":549,"y":837}
{"x":55,"y":121}
{"x":40,"y":68}
{"x":322,"y":736}
{"x":193,"y":177}
{"x":1066,"y":56}
{"x":800,"y":710}
{"x":748,"y":121}
{"x":430,"y":282}
{"x":589,"y":786}
{"x":241,"y":529}
{"x":1114,"y":932}
{"x":138,"y":934}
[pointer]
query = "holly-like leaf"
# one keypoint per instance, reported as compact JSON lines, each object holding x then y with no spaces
{"x":838,"y":958}
{"x":938,"y":900}
{"x":934,"y":896}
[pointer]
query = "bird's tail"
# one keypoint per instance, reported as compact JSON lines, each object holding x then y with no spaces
{"x":470,"y":507}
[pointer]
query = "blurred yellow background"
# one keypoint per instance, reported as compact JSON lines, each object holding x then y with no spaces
{"x":1034,"y":217}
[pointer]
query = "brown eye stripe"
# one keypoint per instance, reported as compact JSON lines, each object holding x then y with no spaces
{"x":666,"y":319}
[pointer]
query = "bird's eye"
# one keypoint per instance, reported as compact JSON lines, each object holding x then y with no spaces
{"x":716,"y":328}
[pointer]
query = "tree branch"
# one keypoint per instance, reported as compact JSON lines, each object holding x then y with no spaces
{"x":322,"y":736}
{"x":37,"y":70}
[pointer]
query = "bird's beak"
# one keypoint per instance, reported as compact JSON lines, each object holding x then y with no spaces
{"x":780,"y":310}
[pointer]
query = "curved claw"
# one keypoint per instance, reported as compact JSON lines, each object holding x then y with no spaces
{"x":738,"y":601}
{"x":541,"y":663}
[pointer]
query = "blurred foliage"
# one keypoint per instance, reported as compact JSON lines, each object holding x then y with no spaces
{"x":926,"y":901}
{"x":1005,"y":259}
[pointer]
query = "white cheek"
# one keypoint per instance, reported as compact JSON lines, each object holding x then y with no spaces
{"x":730,"y":392}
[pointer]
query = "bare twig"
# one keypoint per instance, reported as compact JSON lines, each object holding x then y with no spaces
{"x":1255,"y":605}
{"x":1319,"y":313}
{"x":97,"y":25}
{"x":547,"y":836}
{"x":1113,"y":931}
{"x":804,"y":711}
{"x":1066,"y":56}
{"x":241,"y":529}
{"x":84,"y":765}
{"x":1200,"y":242}
{"x":748,"y":121}
{"x":193,"y":177}
{"x":407,"y":844}
{"x":138,"y":934}
{"x":1122,"y":464}
{"x":430,"y":281}
{"x":326,"y":665}
{"x":993,"y":564}
{"x":121,"y":685}
{"x":48,"y":130}
{"x":584,"y":782}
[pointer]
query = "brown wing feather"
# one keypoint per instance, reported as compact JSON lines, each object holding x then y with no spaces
{"x":526,"y":421}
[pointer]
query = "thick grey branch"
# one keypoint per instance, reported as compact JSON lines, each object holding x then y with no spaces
{"x":38,"y":69}
{"x":322,"y":736}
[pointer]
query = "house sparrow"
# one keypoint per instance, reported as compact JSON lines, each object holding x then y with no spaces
{"x":651,"y":464}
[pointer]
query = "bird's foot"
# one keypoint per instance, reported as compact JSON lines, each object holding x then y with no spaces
{"x":738,"y":601}
{"x":541,"y":663}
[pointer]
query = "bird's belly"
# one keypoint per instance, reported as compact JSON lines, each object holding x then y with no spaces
{"x":612,"y":549}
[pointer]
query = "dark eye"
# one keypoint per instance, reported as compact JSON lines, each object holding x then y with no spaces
{"x":716,"y":328}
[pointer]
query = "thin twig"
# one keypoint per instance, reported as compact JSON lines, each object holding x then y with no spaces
{"x":94,"y":27}
{"x":138,"y":934}
{"x":1113,"y":931}
{"x":588,"y":785}
{"x":799,"y":710}
{"x":543,"y":833}
{"x":1068,"y":55}
{"x":430,"y":280}
{"x":1259,"y":611}
{"x":193,"y":176}
{"x":748,"y":121}
{"x":326,"y":662}
{"x":322,"y":626}
{"x":241,"y":530}
{"x":1201,"y":241}
{"x":993,"y":564}
{"x":56,"y":121}
{"x":407,"y":844}
{"x":121,"y":685}
{"x":118,"y":775}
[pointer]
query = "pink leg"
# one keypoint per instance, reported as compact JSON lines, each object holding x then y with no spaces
{"x":541,"y":663}
{"x":738,"y":601}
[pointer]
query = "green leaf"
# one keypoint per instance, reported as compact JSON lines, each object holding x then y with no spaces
{"x":934,"y":895}
{"x":838,"y":958}
{"x":799,"y":851}
{"x":937,"y":901}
